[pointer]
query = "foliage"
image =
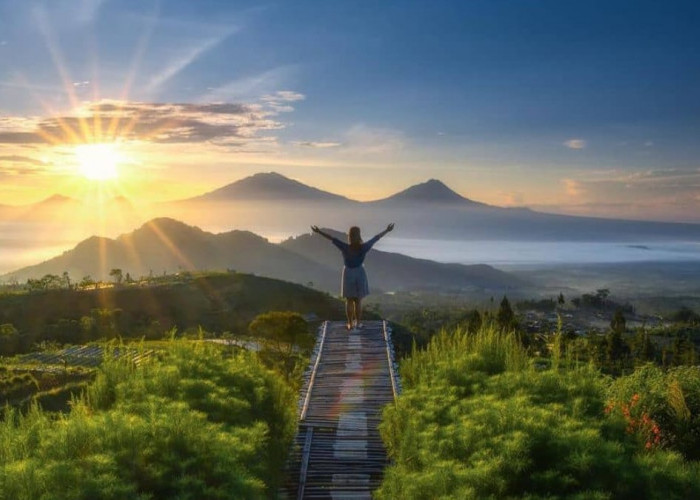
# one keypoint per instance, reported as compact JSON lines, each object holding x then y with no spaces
{"x":542,"y":305}
{"x":223,"y":302}
{"x":286,"y":339}
{"x":478,"y":420}
{"x":687,"y":316}
{"x":195,"y":424}
{"x":669,"y":398}
{"x":505,"y":317}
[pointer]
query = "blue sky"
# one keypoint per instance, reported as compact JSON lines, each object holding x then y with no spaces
{"x":575,"y":107}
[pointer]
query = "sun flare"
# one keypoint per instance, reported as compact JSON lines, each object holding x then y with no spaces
{"x":98,"y":162}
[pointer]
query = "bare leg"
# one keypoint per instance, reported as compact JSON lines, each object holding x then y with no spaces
{"x":349,"y":311}
{"x":358,"y":310}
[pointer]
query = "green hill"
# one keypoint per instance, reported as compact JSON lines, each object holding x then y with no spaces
{"x":217,"y":302}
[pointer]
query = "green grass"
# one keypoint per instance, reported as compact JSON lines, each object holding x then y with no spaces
{"x":478,"y":420}
{"x":196,"y":422}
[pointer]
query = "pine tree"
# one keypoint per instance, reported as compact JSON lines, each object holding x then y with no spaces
{"x":505,"y":318}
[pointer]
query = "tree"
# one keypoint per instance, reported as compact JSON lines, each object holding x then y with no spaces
{"x":505,"y":318}
{"x":683,"y":351}
{"x":282,"y":332}
{"x":474,"y":321}
{"x":117,"y":274}
{"x":618,"y":323}
{"x":560,"y":300}
{"x":66,"y":279}
{"x":616,"y":348}
{"x":644,"y":349}
{"x":87,"y":282}
{"x":9,"y":340}
{"x":285,"y":329}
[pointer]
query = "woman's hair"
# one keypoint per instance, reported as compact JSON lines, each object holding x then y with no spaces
{"x":354,"y":238}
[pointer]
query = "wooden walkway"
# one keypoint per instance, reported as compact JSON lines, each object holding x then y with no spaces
{"x":338,"y":453}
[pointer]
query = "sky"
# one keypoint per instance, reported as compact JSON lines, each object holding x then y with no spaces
{"x":587,"y":108}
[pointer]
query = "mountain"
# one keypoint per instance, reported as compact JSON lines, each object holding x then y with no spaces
{"x":432,"y":192}
{"x":269,"y":186}
{"x":167,"y":245}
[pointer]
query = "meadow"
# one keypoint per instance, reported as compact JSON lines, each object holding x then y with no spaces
{"x":480,"y":419}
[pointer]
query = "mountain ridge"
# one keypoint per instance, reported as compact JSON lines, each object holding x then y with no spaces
{"x":168,"y":245}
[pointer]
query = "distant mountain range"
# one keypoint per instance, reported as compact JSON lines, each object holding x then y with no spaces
{"x":274,"y":187}
{"x":270,"y":202}
{"x":167,"y":245}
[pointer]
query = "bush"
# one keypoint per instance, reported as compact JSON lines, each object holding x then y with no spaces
{"x":477,"y":420}
{"x":196,"y":424}
{"x":668,"y":400}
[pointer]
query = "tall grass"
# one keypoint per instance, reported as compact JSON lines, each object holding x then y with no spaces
{"x":478,"y":420}
{"x":195,"y":424}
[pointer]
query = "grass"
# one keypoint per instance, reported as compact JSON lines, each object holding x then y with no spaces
{"x":196,"y":422}
{"x":478,"y":420}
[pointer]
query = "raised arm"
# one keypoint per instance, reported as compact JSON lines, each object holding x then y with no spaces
{"x":388,"y":229}
{"x":378,"y":236}
{"x":316,"y":229}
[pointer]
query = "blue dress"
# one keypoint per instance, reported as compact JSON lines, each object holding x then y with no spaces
{"x":354,"y":284}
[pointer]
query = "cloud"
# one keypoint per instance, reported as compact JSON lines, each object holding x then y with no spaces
{"x":575,"y":143}
{"x":231,"y":124}
{"x":573,"y":187}
{"x":185,"y":59}
{"x":253,"y":86}
{"x":364,"y":139}
{"x":512,"y":198}
{"x":15,"y":165}
{"x":20,"y":159}
{"x":317,"y":145}
{"x":283,"y":96}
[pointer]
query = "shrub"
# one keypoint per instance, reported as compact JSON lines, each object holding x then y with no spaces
{"x":195,"y":424}
{"x":671,"y":400}
{"x":477,"y":420}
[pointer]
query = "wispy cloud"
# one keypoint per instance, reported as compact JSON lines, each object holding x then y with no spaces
{"x":317,"y":145}
{"x":18,"y":165}
{"x":575,"y":143}
{"x":252,"y":86}
{"x":186,"y":58}
{"x":20,"y":159}
{"x":364,"y":139}
{"x":573,"y":187}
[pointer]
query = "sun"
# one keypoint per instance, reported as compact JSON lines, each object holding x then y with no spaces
{"x":98,"y":162}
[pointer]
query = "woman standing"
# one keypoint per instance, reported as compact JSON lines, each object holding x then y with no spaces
{"x":354,"y":285}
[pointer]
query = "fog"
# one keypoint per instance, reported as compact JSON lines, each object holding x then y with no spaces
{"x":505,"y":254}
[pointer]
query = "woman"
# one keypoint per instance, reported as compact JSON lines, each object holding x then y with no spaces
{"x":355,"y":285}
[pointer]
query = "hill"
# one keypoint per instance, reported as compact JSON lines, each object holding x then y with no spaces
{"x":218,"y":302}
{"x":167,"y":246}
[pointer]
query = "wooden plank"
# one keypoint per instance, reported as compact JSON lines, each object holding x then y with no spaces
{"x":350,"y":379}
